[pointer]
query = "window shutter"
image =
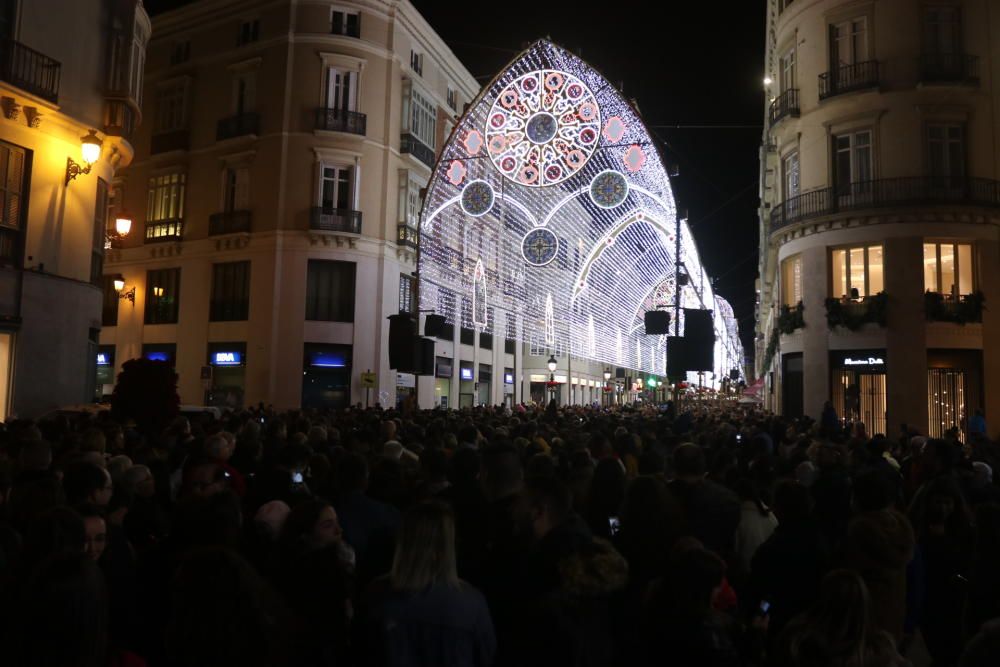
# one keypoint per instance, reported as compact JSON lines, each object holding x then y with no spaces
{"x":12,"y":162}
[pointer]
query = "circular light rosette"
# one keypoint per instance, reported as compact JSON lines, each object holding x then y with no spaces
{"x":608,"y":189}
{"x":539,"y":246}
{"x":543,"y":128}
{"x":477,"y":198}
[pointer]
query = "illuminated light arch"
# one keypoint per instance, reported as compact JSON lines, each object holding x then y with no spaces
{"x":574,"y":245}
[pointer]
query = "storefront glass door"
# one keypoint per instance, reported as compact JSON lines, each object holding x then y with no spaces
{"x":946,"y":400}
{"x":860,"y":397}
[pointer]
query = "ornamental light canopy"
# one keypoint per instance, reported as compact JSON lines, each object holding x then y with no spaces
{"x":550,"y":214}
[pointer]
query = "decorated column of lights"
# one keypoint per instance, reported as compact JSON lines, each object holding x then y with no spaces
{"x":550,"y":201}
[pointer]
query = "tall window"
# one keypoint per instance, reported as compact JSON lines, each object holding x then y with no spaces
{"x":848,"y":43}
{"x":791,"y":281}
{"x":330,"y":291}
{"x":341,"y":89}
{"x":245,"y":92}
{"x":852,"y":162}
{"x":787,"y":75}
{"x":790,"y":175}
{"x":163,"y":296}
{"x":230,"y":292}
{"x":165,"y":206}
{"x":452,"y":99}
{"x":100,"y":225}
{"x":15,"y":171}
{"x":942,"y":30}
{"x":345,"y":23}
{"x":856,"y":272}
{"x":171,"y":105}
{"x":407,"y":290}
{"x":249,"y":32}
{"x":109,"y":307}
{"x":420,"y":116}
{"x":946,"y":151}
{"x":409,"y":200}
{"x":336,"y":191}
{"x":137,"y":62}
{"x":417,"y":62}
{"x":948,"y":269}
{"x":235,"y":189}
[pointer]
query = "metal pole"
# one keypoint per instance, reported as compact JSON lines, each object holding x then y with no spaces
{"x":677,"y":296}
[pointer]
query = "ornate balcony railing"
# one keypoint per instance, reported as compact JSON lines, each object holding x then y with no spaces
{"x":855,"y":313}
{"x":335,"y":220}
{"x":786,"y":104}
{"x":418,"y":149}
{"x":229,"y":222}
{"x":29,"y":70}
{"x":173,"y":140}
{"x":886,"y":192}
{"x":858,"y":76}
{"x":791,"y":318}
{"x":239,"y":125}
{"x":341,"y":120}
{"x":406,"y":236}
{"x":947,"y":308}
{"x":949,"y":68}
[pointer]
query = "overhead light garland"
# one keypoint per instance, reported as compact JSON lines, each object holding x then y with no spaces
{"x":550,"y":202}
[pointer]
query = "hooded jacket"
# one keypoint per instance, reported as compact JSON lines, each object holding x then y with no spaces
{"x":879,"y":547}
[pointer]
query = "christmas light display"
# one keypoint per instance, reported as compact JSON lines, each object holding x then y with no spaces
{"x":550,"y":203}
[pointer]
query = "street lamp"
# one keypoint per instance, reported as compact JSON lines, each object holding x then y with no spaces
{"x":90,"y":151}
{"x":123,"y":225}
{"x":552,"y":364}
{"x":119,"y":284}
{"x":607,"y":379}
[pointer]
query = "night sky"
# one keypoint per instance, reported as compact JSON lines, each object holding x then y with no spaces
{"x":695,"y":66}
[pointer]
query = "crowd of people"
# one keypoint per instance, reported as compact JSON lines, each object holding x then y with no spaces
{"x":693,"y":535}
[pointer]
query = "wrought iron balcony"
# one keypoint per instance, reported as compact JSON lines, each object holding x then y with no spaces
{"x":919,"y":190}
{"x":406,"y":236}
{"x":418,"y":149}
{"x":164,"y":231}
{"x":172,"y":140}
{"x":786,"y":104}
{"x":341,"y":120}
{"x":848,"y":78}
{"x":949,"y":68}
{"x":960,"y":309}
{"x":229,"y":222}
{"x":239,"y":125}
{"x":854,"y":313}
{"x":335,"y":220}
{"x":29,"y":70}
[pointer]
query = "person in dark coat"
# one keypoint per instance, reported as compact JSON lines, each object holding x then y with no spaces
{"x":712,"y":511}
{"x":369,"y":525}
{"x":787,"y":568}
{"x":879,"y":547}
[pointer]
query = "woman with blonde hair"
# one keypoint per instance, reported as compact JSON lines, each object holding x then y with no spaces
{"x":838,"y":630}
{"x":421,"y":613}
